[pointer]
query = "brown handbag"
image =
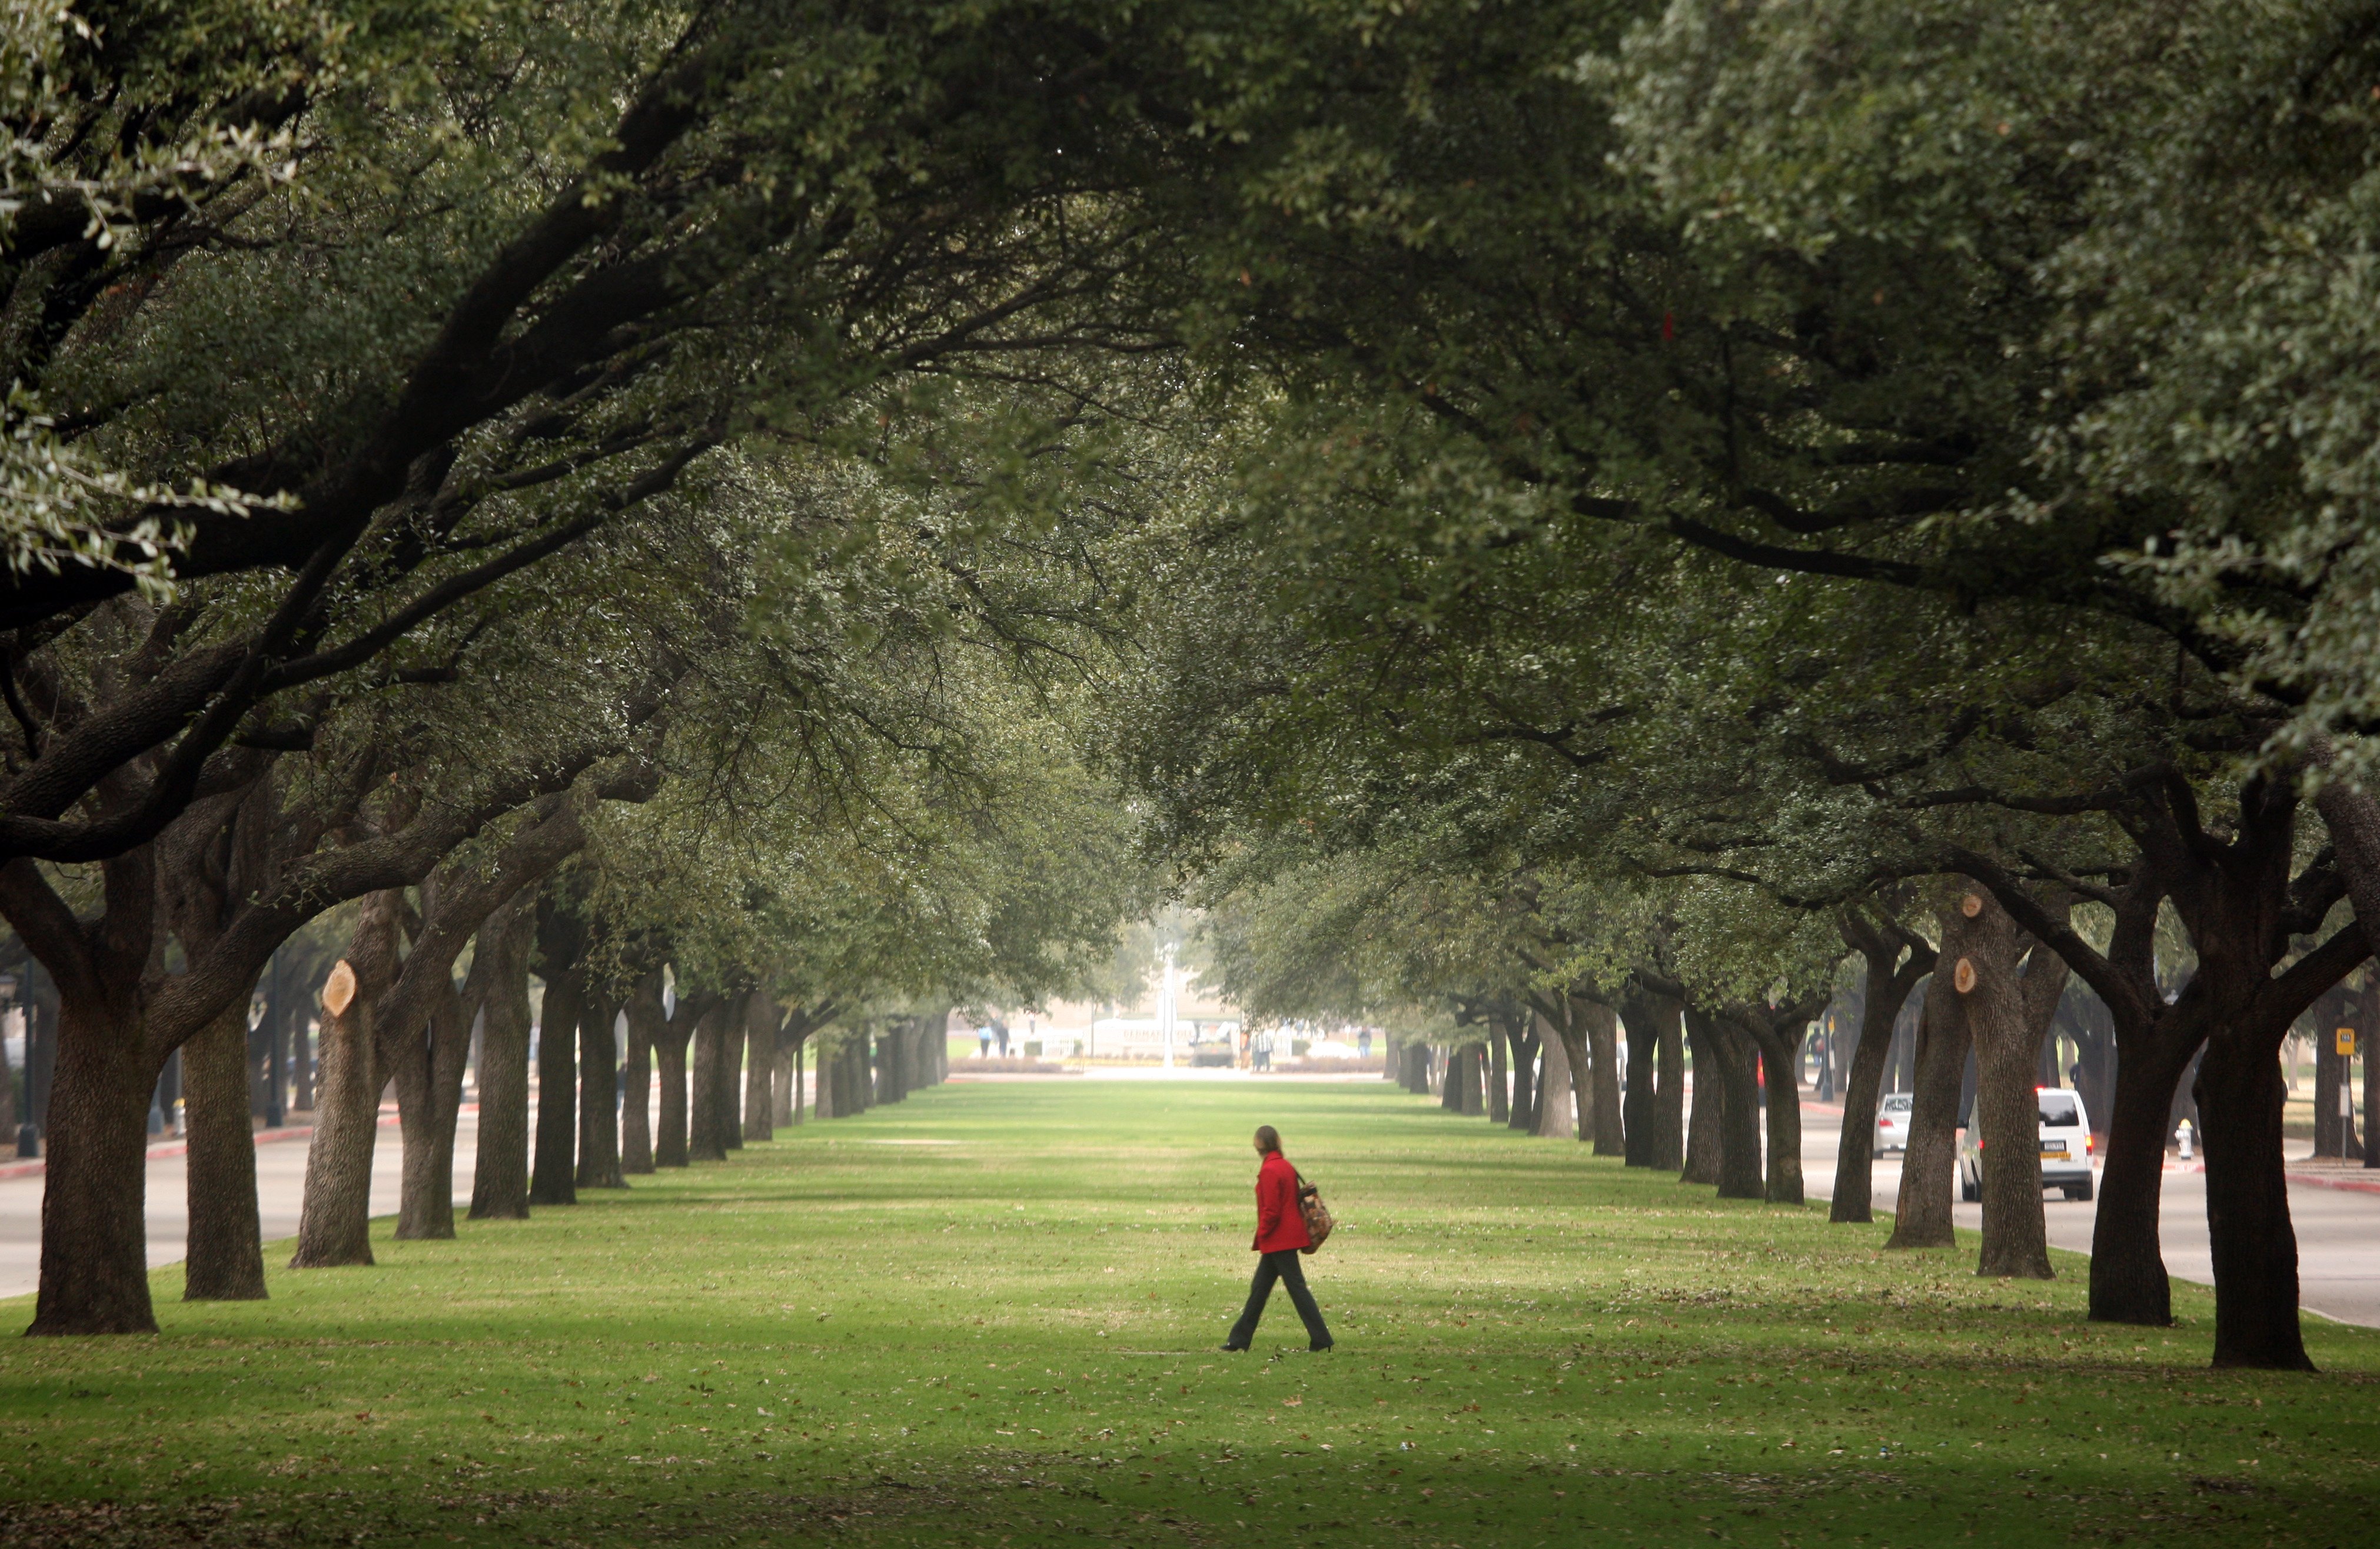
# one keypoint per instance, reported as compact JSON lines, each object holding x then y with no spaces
{"x":1317,"y":1214}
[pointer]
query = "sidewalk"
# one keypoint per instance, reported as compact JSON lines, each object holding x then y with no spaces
{"x":280,"y":1190}
{"x":38,"y":1167}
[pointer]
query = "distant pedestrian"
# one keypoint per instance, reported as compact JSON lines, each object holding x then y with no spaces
{"x":999,"y":1035}
{"x":983,"y":1042}
{"x":1262,"y":1050}
{"x":1363,"y":1043}
{"x":1280,"y":1232}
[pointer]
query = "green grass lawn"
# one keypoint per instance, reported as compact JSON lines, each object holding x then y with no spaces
{"x":988,"y":1316}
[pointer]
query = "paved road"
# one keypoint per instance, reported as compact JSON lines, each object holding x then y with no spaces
{"x":280,"y":1185}
{"x":2338,"y":1229}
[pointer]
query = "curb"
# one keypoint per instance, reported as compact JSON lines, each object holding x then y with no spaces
{"x":37,"y":1167}
{"x":2367,"y":1185}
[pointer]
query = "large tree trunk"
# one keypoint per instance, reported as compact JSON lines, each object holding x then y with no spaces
{"x":599,"y":1095}
{"x":2254,"y":1244}
{"x":1735,"y":1058}
{"x":429,"y":1076}
{"x":728,"y":1097}
{"x":553,"y":1178}
{"x":1601,"y":1026}
{"x":1670,"y":1108}
{"x":1462,"y":1078}
{"x":784,"y":1109}
{"x":761,"y":1022}
{"x":335,"y":1223}
{"x":224,"y":1259}
{"x":1921,"y":1218}
{"x":1700,"y":1162}
{"x":1890,"y":983}
{"x":645,"y":1022}
{"x":500,"y":1177}
{"x":1776,"y":1034}
{"x":669,"y":1146}
{"x":2334,"y":1114}
{"x":1557,"y":1116}
{"x":1500,"y":1073}
{"x":2370,"y":1046}
{"x":706,"y":1135}
{"x":2008,"y":1008}
{"x":2129,"y":1283}
{"x":94,"y":1276}
{"x":1642,"y":1093}
{"x":891,"y":1050}
{"x":1525,"y":1051}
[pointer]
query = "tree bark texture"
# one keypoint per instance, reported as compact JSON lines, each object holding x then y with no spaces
{"x":706,"y":1137}
{"x":599,"y":1095}
{"x":1921,"y":1218}
{"x":1557,"y":1114}
{"x":1777,"y":1033}
{"x":500,"y":981}
{"x":2248,"y":1224}
{"x":554,"y":1176}
{"x":2333,"y":1127}
{"x":645,"y":1022}
{"x":1525,"y":1091}
{"x":225,"y":1258}
{"x":94,"y":1276}
{"x":1734,"y":1059}
{"x":1882,"y":945}
{"x":728,"y":1096}
{"x":760,"y":1022}
{"x":892,"y":1058}
{"x":670,"y":1049}
{"x":2369,"y":1038}
{"x":1500,"y":1073}
{"x":335,"y":1221}
{"x":1601,"y":1026}
{"x":1642,"y":1095}
{"x":1670,"y":1107}
{"x":1700,"y":1162}
{"x":783,"y":1107}
{"x":427,"y":1072}
{"x":1471,"y":1081}
{"x":2008,"y":1009}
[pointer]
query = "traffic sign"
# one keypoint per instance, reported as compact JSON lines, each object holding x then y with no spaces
{"x":2346,"y":1044}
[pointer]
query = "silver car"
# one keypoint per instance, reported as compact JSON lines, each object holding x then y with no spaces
{"x":1892,"y":1122}
{"x":2065,"y":1148}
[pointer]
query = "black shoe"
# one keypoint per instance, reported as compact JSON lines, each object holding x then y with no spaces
{"x":1317,"y":1349}
{"x":1235,"y":1349}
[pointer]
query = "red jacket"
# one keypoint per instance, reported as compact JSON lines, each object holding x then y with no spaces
{"x":1280,"y":1223}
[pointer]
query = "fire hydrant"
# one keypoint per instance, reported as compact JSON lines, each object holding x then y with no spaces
{"x":2184,"y":1133}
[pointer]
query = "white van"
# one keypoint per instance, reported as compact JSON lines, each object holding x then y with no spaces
{"x":2065,"y":1148}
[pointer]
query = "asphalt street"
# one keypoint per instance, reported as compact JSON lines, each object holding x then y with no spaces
{"x":280,"y":1186}
{"x":2338,"y":1229}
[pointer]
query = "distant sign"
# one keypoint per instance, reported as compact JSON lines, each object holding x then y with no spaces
{"x":2346,"y":1042}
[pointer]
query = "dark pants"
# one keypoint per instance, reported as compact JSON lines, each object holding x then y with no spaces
{"x":1282,"y":1267}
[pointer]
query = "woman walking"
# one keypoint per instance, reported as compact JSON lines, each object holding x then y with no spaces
{"x":1280,"y":1232}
